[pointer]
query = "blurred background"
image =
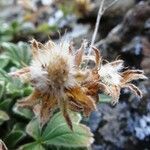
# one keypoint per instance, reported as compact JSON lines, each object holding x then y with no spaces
{"x":124,"y":32}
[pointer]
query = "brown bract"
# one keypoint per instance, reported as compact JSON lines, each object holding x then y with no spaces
{"x":61,"y":81}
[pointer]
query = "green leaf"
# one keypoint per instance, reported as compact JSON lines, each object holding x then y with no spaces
{"x":58,"y":133}
{"x":4,"y":76}
{"x":14,"y":137}
{"x":3,"y":117}
{"x":57,"y":119}
{"x":6,"y":37}
{"x":4,"y":60}
{"x":24,"y":52}
{"x":32,"y":146}
{"x":5,"y":32}
{"x":33,"y":129}
{"x":104,"y":98}
{"x":27,"y":90}
{"x":20,"y":54}
{"x":5,"y":104}
{"x":13,"y":90}
{"x":11,"y":52}
{"x":46,"y":28}
{"x":67,"y":148}
{"x":15,"y":25}
{"x":23,"y":112}
{"x":2,"y":88}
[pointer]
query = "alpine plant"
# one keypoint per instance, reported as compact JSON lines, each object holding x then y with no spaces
{"x":61,"y":80}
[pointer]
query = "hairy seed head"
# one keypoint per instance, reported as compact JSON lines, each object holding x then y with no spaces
{"x":52,"y":68}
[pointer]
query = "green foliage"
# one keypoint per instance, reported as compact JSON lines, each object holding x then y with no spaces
{"x":3,"y":117}
{"x":9,"y":31}
{"x":45,"y":28}
{"x":15,"y":30}
{"x":15,"y":135}
{"x":13,"y":57}
{"x":19,"y":54}
{"x":57,"y":133}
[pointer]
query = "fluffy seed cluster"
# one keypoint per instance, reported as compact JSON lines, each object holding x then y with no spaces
{"x":61,"y":81}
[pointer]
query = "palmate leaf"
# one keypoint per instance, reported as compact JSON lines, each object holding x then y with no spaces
{"x":34,"y":130}
{"x":57,"y":132}
{"x":20,"y":54}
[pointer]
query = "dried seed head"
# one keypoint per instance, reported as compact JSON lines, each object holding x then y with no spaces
{"x":52,"y":66}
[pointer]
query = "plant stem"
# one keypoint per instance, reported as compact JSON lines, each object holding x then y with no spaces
{"x":99,"y":15}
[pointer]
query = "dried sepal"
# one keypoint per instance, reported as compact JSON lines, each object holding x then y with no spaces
{"x":97,"y":57}
{"x":134,"y":89}
{"x":48,"y":105}
{"x":34,"y":46}
{"x":115,"y":94}
{"x":75,"y":106}
{"x":20,"y":72}
{"x":80,"y":75}
{"x":79,"y":55}
{"x":64,"y":109}
{"x":31,"y":100}
{"x":117,"y":64}
{"x":50,"y":45}
{"x":130,"y":75}
{"x":104,"y":89}
{"x":79,"y":95}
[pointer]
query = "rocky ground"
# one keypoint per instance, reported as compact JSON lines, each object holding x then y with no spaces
{"x":125,"y":32}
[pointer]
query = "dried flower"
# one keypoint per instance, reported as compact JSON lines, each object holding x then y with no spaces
{"x":114,"y":78}
{"x":61,"y":81}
